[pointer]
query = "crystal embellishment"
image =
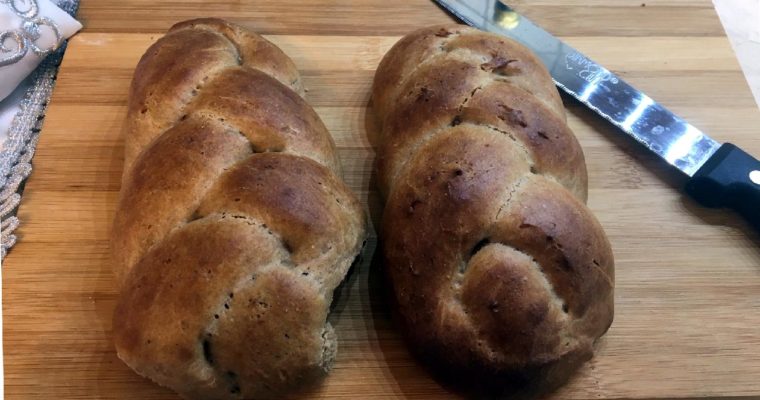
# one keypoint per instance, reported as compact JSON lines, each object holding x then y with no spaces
{"x":15,"y":44}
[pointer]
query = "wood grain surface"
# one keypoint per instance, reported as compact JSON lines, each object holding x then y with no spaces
{"x":687,"y":321}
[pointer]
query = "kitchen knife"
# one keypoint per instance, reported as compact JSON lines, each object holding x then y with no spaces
{"x":718,"y":175}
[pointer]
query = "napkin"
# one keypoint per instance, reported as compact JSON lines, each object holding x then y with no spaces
{"x":29,"y":31}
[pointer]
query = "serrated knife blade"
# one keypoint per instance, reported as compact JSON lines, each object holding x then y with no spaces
{"x":720,"y":175}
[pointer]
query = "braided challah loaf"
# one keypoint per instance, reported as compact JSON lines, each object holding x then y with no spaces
{"x":497,"y":268}
{"x":232,"y":228}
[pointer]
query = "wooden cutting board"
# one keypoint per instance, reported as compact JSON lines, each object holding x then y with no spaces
{"x":687,"y":318}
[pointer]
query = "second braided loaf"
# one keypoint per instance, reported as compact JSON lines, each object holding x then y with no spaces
{"x":497,"y":267}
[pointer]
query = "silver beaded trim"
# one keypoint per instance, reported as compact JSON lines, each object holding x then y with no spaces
{"x":16,"y":157}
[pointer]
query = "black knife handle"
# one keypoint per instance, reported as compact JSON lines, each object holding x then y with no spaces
{"x":730,"y":178}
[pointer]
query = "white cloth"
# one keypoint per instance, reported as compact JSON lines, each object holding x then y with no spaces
{"x":25,"y":26}
{"x":12,"y":84}
{"x":9,"y":106}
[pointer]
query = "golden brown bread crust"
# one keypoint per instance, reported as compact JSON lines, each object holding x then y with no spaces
{"x":233,"y":228}
{"x":498,"y":269}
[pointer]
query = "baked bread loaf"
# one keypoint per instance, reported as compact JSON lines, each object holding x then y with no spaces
{"x":499,"y":272}
{"x":233,"y":227}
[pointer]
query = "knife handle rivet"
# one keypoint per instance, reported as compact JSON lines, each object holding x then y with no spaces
{"x":754,"y":176}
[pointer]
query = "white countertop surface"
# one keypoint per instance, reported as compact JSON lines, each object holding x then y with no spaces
{"x":741,"y":20}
